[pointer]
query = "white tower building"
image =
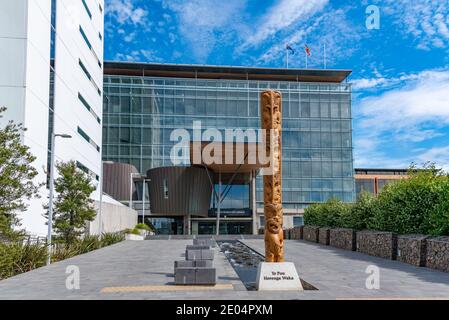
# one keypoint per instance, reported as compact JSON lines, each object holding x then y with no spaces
{"x":51,"y":80}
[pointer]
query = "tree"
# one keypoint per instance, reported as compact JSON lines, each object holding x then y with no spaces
{"x":73,"y":207}
{"x":16,"y":177}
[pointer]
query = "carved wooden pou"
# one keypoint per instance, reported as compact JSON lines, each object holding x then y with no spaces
{"x":271,"y":112}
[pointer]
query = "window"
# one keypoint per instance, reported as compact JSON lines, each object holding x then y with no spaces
{"x":83,"y":67}
{"x":298,"y":221}
{"x":89,"y":45}
{"x":88,"y":139}
{"x":87,"y":9}
{"x":83,"y":168}
{"x":88,"y":107}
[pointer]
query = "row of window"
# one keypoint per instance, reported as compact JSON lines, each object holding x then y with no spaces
{"x":224,"y":107}
{"x":163,"y":152}
{"x":88,"y":139}
{"x":236,"y":84}
{"x":167,"y":122}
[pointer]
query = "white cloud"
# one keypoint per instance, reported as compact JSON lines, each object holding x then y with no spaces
{"x":138,"y":55}
{"x":283,"y":15}
{"x":426,"y":21}
{"x":414,"y":109}
{"x":424,"y":99}
{"x":124,"y":11}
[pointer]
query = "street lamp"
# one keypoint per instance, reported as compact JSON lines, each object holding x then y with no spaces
{"x":50,"y":205}
{"x":143,"y":199}
{"x":100,"y":217}
{"x":131,"y":188}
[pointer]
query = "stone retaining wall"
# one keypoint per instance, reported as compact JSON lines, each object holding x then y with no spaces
{"x":311,"y":233}
{"x":343,"y":238}
{"x":412,"y":249}
{"x":437,"y":253}
{"x":377,"y":243}
{"x":296,"y":233}
{"x":323,"y":236}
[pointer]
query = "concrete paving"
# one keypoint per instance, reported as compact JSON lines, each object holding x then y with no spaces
{"x":148,"y":266}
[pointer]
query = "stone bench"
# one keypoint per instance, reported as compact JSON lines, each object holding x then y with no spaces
{"x":197,"y":247}
{"x":201,"y":254}
{"x":204,"y":242}
{"x":193,"y":264}
{"x":195,"y":276}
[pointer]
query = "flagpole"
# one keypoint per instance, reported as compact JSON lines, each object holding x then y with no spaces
{"x":325,"y":66}
{"x":307,"y":56}
{"x":287,"y":58}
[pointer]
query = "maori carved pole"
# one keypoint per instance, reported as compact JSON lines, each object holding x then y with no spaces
{"x":271,"y":112}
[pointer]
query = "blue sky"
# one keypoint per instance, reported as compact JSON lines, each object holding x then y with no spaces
{"x":400,"y":71}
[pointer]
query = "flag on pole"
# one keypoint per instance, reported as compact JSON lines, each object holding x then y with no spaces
{"x":289,"y":48}
{"x":307,"y":49}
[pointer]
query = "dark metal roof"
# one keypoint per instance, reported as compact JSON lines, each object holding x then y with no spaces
{"x":224,"y":72}
{"x":381,"y":169}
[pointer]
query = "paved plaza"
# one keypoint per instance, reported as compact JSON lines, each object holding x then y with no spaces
{"x":144,"y":270}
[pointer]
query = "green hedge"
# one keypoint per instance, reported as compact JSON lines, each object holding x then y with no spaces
{"x":328,"y":214}
{"x":417,"y":204}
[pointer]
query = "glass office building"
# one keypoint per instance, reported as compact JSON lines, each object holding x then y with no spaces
{"x":144,"y":103}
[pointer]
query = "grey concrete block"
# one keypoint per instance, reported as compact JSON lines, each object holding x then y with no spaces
{"x":184,"y":264}
{"x":199,"y":254}
{"x":197,"y":247}
{"x":204,"y":242}
{"x":206,"y":276}
{"x":195,"y":276}
{"x":193,"y":254}
{"x":185,"y":276}
{"x":203,"y":263}
{"x":193,"y":264}
{"x":207,"y":255}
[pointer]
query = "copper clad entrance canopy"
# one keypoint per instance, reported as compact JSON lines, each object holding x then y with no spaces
{"x":240,"y":167}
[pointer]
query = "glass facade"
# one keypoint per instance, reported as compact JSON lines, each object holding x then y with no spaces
{"x":141,"y":112}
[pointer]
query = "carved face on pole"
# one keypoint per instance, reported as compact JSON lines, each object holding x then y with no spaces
{"x":271,"y":113}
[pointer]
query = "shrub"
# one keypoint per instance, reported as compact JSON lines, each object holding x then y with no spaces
{"x":109,"y":239}
{"x":360,"y":213}
{"x":132,"y":231}
{"x":327,"y":214}
{"x":16,"y":258}
{"x":143,"y":226}
{"x":419,"y":204}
